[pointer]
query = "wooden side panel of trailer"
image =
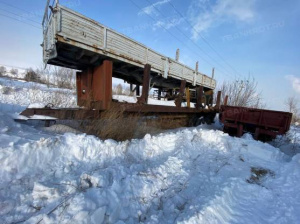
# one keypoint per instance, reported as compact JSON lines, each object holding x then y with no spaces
{"x":75,"y":41}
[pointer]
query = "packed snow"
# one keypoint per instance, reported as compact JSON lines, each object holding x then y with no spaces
{"x":188,"y":175}
{"x":20,"y":93}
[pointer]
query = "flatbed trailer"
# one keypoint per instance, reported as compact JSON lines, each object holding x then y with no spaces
{"x":261,"y":123}
{"x":75,"y":41}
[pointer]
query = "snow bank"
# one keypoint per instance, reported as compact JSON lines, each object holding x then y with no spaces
{"x":188,"y":176}
{"x":20,"y":93}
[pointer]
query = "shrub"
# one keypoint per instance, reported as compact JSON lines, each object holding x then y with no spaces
{"x":6,"y":90}
{"x":242,"y":93}
{"x":14,"y":71}
{"x":2,"y":70}
{"x":64,"y":77}
{"x":292,"y":104}
{"x":118,"y":90}
{"x":31,"y":76}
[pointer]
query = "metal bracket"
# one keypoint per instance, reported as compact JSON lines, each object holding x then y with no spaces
{"x":166,"y":68}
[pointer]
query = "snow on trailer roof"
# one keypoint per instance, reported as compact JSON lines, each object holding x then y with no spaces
{"x":76,"y":41}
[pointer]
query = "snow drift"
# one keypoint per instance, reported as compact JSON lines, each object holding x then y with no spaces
{"x":187,"y":176}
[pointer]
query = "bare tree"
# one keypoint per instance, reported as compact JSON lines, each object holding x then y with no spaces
{"x":32,"y":76}
{"x":2,"y":70}
{"x":293,"y":107}
{"x":14,"y":71}
{"x":242,"y":93}
{"x":64,"y":77}
{"x":44,"y":73}
{"x":118,"y":90}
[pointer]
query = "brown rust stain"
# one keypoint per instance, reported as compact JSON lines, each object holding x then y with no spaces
{"x":130,"y":59}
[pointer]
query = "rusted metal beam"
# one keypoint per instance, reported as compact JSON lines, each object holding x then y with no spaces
{"x":199,"y":95}
{"x":82,"y":114}
{"x":152,"y":109}
{"x":225,"y":100}
{"x":146,"y":83}
{"x":218,"y":102}
{"x":137,"y":90}
{"x":94,"y":86}
{"x":159,"y":94}
{"x":209,"y":97}
{"x":179,"y":98}
{"x":84,"y":87}
{"x":102,"y":85}
{"x":63,"y":114}
{"x":188,"y":97}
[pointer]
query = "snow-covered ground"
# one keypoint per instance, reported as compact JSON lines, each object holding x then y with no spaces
{"x":188,"y":175}
{"x":16,"y":93}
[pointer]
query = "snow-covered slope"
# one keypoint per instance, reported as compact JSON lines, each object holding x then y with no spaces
{"x":189,"y":176}
{"x":15,"y":93}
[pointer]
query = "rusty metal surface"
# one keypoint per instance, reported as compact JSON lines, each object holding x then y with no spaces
{"x":146,"y":84}
{"x":102,"y":85}
{"x":256,"y":121}
{"x":218,"y":102}
{"x":63,"y":114}
{"x":163,"y":109}
{"x":81,"y":114}
{"x":67,"y":29}
{"x":94,"y":87}
{"x":179,"y":98}
{"x":199,"y":95}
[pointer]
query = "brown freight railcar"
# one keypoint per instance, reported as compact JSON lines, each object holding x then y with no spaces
{"x":263,"y":124}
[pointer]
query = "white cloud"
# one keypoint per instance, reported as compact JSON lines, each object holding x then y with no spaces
{"x":151,"y":8}
{"x":168,"y":23}
{"x":295,"y":81}
{"x":203,"y":14}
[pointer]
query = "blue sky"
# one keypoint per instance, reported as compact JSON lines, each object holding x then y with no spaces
{"x":238,"y":37}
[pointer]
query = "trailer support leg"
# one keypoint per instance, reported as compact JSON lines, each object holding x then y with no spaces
{"x":94,"y":86}
{"x":159,"y":94}
{"x":240,"y":128}
{"x":137,"y":90}
{"x":199,"y":95}
{"x":225,"y":100}
{"x":179,"y":98}
{"x":188,"y":97}
{"x":146,"y":82}
{"x":218,"y":103}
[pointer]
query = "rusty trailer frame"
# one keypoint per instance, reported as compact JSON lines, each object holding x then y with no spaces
{"x":261,"y":123}
{"x":94,"y":96}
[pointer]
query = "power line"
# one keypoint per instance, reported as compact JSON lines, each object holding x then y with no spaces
{"x":20,"y":21}
{"x":204,"y":39}
{"x":20,"y":16}
{"x":174,"y":35}
{"x":168,"y":31}
{"x":228,"y":73}
{"x":10,"y":5}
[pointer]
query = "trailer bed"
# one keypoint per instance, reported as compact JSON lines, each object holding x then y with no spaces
{"x":259,"y":122}
{"x":75,"y":41}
